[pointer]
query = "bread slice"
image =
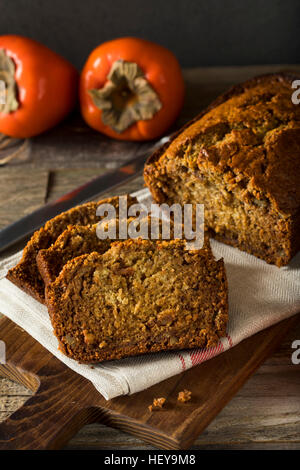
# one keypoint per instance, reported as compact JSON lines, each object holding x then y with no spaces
{"x":78,"y":240}
{"x":240,"y":158}
{"x":140,"y":296}
{"x":26,"y":274}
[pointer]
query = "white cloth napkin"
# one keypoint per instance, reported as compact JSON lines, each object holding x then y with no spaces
{"x":259,"y":296}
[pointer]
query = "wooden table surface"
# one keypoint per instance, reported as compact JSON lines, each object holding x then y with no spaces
{"x":265,"y":414}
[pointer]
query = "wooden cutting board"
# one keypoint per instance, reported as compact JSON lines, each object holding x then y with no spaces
{"x":64,"y":401}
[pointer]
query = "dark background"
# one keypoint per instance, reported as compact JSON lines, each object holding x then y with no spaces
{"x":212,"y":32}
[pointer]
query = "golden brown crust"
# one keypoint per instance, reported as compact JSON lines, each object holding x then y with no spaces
{"x":249,"y":137}
{"x":25,"y":274}
{"x":109,"y":320}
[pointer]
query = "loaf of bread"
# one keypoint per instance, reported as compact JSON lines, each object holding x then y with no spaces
{"x":26,"y":274}
{"x":140,"y":296}
{"x":241,"y":159}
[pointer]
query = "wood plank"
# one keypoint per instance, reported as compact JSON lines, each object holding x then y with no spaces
{"x":21,"y":193}
{"x":81,"y":147}
{"x":64,"y":180}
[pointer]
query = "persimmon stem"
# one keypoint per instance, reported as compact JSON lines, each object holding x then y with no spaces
{"x":126,"y":98}
{"x":8,"y":89}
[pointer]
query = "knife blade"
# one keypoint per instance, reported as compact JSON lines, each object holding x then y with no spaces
{"x":84,"y":193}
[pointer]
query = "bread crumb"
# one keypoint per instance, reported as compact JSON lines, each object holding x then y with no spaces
{"x":184,"y":396}
{"x":157,"y":404}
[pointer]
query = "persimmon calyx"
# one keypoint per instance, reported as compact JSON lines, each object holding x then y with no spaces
{"x":8,"y":85}
{"x":126,"y":98}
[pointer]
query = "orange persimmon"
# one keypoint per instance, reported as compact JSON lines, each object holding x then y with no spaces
{"x":40,"y":87}
{"x":131,"y":89}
